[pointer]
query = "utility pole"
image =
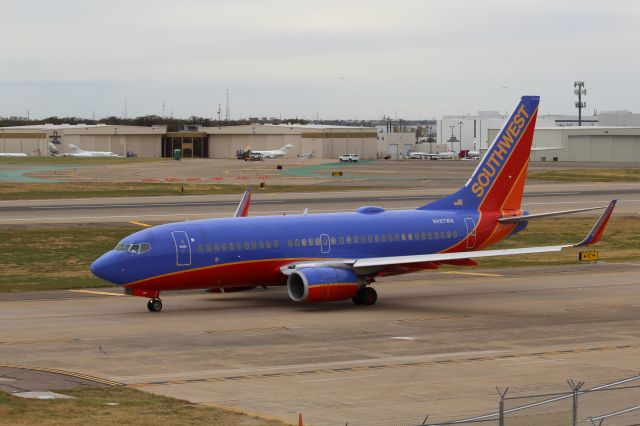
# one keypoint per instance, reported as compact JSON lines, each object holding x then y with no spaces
{"x":579,"y":90}
{"x":219,"y":111}
{"x":227,"y":112}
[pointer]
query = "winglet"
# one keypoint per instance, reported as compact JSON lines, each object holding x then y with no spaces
{"x":243,"y":206}
{"x":598,"y":229}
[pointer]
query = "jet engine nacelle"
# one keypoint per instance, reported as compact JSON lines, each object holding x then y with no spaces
{"x":323,"y":284}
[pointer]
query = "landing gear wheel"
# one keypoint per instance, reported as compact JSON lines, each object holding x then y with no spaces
{"x":154,"y":305}
{"x":367,"y":296}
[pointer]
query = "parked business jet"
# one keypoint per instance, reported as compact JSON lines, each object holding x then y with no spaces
{"x":433,"y":156}
{"x":13,"y":154}
{"x":338,"y":256}
{"x":275,"y":153}
{"x":77,"y":152}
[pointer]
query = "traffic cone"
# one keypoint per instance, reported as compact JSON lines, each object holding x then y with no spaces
{"x":300,"y":420}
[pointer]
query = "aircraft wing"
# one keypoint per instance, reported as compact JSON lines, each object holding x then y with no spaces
{"x":366,"y":266}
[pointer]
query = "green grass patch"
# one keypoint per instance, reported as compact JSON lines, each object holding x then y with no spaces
{"x":57,"y":257}
{"x":70,"y":190}
{"x":588,"y":175}
{"x":132,"y":407}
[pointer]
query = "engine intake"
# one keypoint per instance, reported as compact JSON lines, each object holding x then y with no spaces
{"x":323,"y":284}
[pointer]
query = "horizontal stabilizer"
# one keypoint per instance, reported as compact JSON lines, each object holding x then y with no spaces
{"x":525,"y":218}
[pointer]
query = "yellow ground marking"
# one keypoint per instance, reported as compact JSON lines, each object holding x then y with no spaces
{"x":476,"y":274}
{"x":64,"y":373}
{"x":104,"y":293}
{"x":144,"y":225}
{"x":245,"y":330}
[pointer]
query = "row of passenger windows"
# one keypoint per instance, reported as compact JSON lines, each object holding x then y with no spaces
{"x":240,"y":245}
{"x":375,"y":238}
{"x":341,"y":240}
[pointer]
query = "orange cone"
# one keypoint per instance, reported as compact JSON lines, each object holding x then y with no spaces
{"x":300,"y":420}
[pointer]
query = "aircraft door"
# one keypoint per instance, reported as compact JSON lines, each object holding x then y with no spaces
{"x":183,"y":248}
{"x":325,"y":243}
{"x":471,"y":232}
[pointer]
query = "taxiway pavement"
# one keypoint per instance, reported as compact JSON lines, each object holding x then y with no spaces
{"x":437,"y":342}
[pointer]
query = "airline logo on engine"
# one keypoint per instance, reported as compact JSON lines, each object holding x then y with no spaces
{"x":500,"y":152}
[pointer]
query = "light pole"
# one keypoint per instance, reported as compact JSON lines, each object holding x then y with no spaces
{"x":453,"y":138}
{"x":460,"y":123}
{"x":580,"y":91}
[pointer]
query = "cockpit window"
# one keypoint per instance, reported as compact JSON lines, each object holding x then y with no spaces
{"x":133,"y":248}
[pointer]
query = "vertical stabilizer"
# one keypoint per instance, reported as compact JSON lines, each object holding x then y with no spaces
{"x":498,"y":181}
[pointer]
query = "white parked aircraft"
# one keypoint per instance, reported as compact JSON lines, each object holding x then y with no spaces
{"x":275,"y":153}
{"x":435,"y":155}
{"x":77,"y":152}
{"x":12,"y":154}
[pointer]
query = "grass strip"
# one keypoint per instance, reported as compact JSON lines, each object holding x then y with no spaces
{"x":587,"y":175}
{"x":117,"y":405}
{"x":53,"y":257}
{"x":69,"y":190}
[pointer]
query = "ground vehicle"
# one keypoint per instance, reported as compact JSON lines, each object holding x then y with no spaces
{"x":254,"y":156}
{"x":348,"y":158}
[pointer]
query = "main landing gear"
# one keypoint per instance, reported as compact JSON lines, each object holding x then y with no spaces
{"x":154,"y":305}
{"x":366,"y":296}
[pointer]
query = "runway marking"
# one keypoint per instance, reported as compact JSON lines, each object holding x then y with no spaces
{"x":144,"y":225}
{"x":475,"y":274}
{"x":337,"y":378}
{"x":510,"y":357}
{"x":403,"y":338}
{"x":432,"y":318}
{"x":64,"y":373}
{"x":102,"y":293}
{"x":245,"y":330}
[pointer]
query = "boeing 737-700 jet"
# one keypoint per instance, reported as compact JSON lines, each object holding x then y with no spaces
{"x":338,"y":256}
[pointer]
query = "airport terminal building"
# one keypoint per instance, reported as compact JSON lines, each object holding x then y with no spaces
{"x":207,"y":142}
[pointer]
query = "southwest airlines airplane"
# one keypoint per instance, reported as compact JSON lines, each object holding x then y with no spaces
{"x":338,"y":256}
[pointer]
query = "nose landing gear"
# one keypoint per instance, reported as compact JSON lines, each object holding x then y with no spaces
{"x":154,"y":305}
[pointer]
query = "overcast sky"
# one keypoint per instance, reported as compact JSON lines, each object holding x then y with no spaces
{"x":331,"y":58}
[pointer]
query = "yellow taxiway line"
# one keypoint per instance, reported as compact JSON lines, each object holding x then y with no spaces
{"x":104,"y":293}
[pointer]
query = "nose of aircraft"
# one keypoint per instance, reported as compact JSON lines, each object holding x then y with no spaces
{"x":108,"y":268}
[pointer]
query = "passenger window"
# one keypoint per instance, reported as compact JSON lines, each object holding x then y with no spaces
{"x":232,"y":246}
{"x":384,"y":238}
{"x":442,"y":235}
{"x":355,"y":239}
{"x":208,"y":247}
{"x":348,"y":239}
{"x":290,"y":243}
{"x":246,"y":245}
{"x":276,"y":243}
{"x":253,"y":245}
{"x":424,"y":235}
{"x":310,"y":242}
{"x":435,"y":235}
{"x":404,"y":237}
{"x":333,"y":241}
{"x":410,"y":236}
{"x":304,"y":242}
{"x":239,"y":245}
{"x":223,"y":246}
{"x":397,"y":236}
{"x":200,"y":248}
{"x":341,"y":240}
{"x":318,"y":241}
{"x":455,"y":234}
{"x":448,"y":234}
{"x":416,"y":236}
{"x":430,"y":236}
{"x":376,"y":238}
{"x":297,"y":243}
{"x":268,"y":244}
{"x":261,"y":244}
{"x":369,"y":238}
{"x":216,"y":247}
